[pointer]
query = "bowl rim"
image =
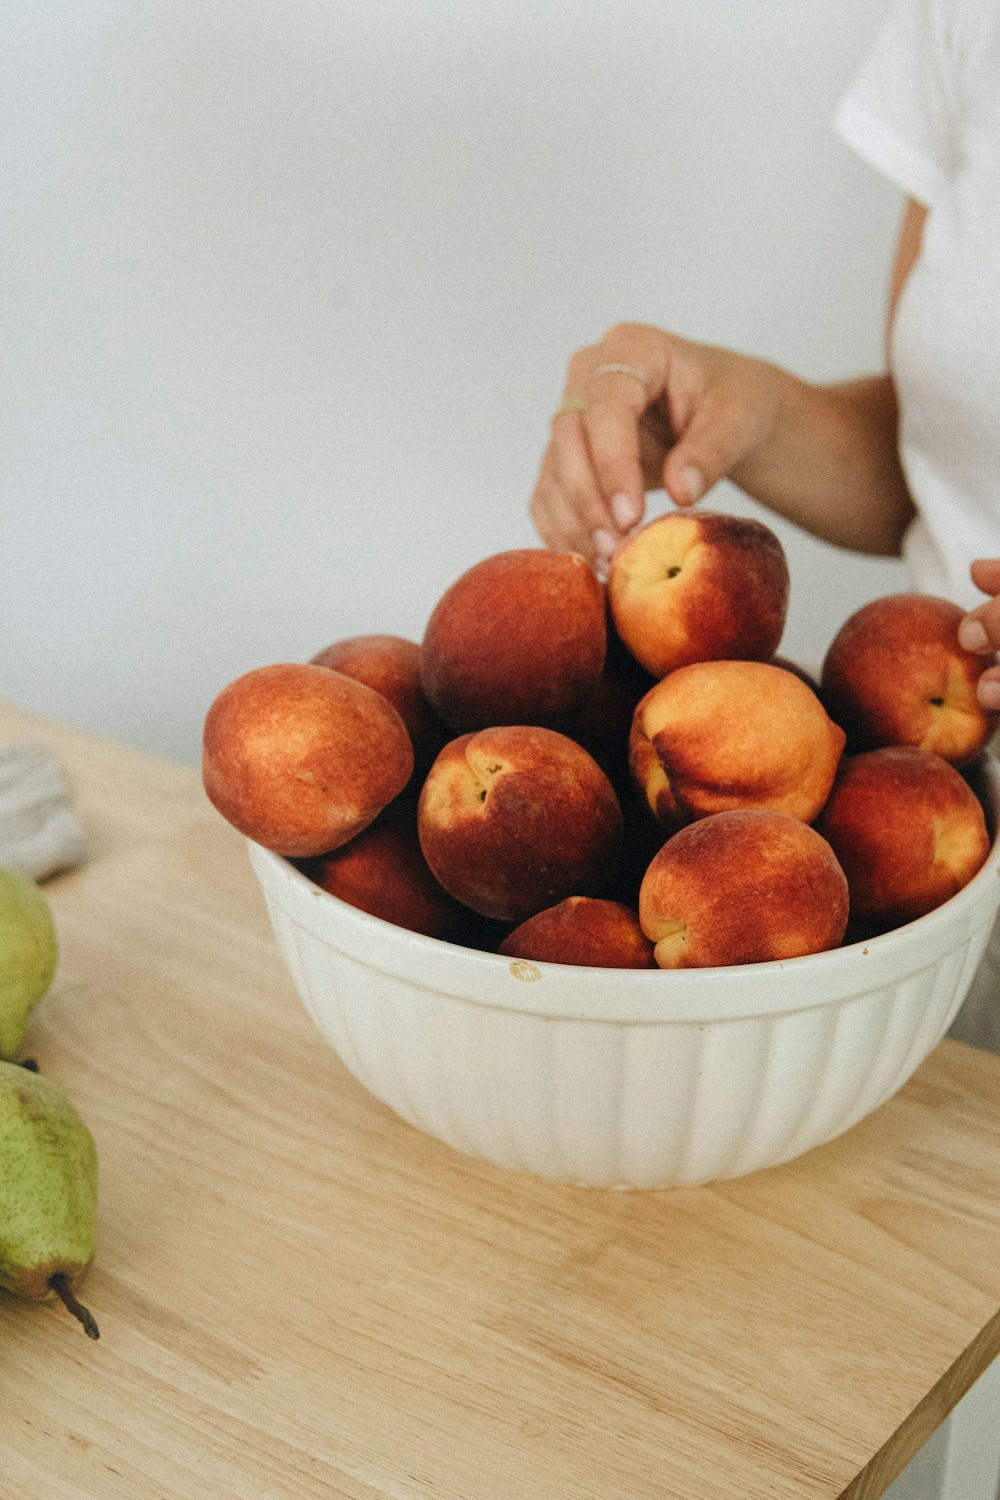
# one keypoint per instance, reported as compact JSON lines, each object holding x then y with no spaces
{"x":643,"y":996}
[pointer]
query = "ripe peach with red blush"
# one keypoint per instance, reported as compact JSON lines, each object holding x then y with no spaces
{"x":514,"y":818}
{"x":301,"y":759}
{"x":582,"y":930}
{"x":391,"y":665}
{"x":518,"y":639}
{"x":382,"y":871}
{"x":895,"y":674}
{"x":743,"y":887}
{"x":699,"y":586}
{"x":908,"y":830}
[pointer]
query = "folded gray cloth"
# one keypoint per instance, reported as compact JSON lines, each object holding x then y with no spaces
{"x":38,"y":831}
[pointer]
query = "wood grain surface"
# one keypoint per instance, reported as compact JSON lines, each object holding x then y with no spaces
{"x":300,"y":1296}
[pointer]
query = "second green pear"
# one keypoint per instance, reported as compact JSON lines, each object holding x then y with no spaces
{"x":48,"y":1191}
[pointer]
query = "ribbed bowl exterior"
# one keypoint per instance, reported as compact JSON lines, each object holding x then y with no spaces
{"x":610,"y":1078}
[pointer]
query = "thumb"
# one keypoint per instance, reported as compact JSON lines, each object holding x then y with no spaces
{"x":713,"y":443}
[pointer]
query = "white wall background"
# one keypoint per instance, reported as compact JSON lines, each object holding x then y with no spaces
{"x":288,"y":287}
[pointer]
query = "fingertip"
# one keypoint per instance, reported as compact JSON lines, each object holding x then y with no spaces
{"x":603,"y":544}
{"x":988,"y":693}
{"x":972,"y":635}
{"x":694,"y":482}
{"x":626,"y":511}
{"x":679,"y":496}
{"x":683,"y":481}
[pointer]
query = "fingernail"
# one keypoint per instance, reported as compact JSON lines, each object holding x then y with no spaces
{"x":972,"y":636}
{"x":604,"y":544}
{"x":989,"y":694}
{"x":624,"y":511}
{"x":694,"y":481}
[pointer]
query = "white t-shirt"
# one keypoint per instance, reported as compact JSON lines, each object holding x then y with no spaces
{"x":925,"y":110}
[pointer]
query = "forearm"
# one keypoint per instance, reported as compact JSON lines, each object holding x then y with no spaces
{"x":830,"y":463}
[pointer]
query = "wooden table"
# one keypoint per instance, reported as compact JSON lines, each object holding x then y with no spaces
{"x":301,"y":1296}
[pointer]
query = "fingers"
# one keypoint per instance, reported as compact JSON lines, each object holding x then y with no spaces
{"x":988,"y":689}
{"x":616,"y":403}
{"x":979,"y":631}
{"x":718,"y":434}
{"x":592,"y":485}
{"x":567,"y":508}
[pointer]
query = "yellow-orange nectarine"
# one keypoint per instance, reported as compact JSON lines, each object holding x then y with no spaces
{"x":725,"y":734}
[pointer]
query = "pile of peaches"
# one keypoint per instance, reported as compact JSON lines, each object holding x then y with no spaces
{"x":621,"y":775}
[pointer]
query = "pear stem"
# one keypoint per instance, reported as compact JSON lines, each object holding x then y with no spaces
{"x":60,"y":1285}
{"x":30,"y":1063}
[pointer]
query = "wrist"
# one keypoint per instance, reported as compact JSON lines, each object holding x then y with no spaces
{"x":773,"y":400}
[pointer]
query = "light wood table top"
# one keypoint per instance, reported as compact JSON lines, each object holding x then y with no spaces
{"x":301,"y":1296}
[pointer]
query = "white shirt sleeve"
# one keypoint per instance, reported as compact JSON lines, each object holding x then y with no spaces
{"x":900,"y":111}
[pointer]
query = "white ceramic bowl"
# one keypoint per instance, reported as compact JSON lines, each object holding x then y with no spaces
{"x":624,"y":1078}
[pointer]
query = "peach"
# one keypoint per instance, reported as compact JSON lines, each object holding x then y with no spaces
{"x":743,"y":887}
{"x":300,"y":758}
{"x":699,"y":587}
{"x":391,"y":665}
{"x":514,"y":818}
{"x":895,"y":674}
{"x":518,"y":639}
{"x":908,"y":831}
{"x":383,"y":872}
{"x":582,"y":930}
{"x":800,"y":672}
{"x":728,"y":734}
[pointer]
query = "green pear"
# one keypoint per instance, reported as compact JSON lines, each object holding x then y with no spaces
{"x":48,"y":1191}
{"x":27,"y":955}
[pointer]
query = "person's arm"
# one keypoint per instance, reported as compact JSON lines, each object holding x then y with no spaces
{"x":685,"y":415}
{"x":831,"y":464}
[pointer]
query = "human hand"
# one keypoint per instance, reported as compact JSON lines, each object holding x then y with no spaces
{"x":644,"y":408}
{"x":979,"y":631}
